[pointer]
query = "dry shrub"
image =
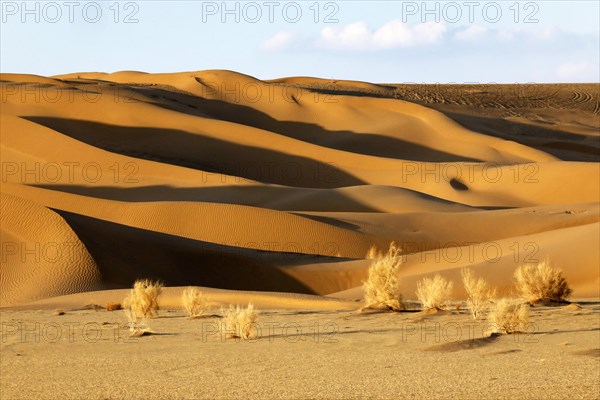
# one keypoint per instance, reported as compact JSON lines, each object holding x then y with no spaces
{"x":479,"y":292}
{"x":137,"y":330}
{"x":239,"y":323}
{"x":541,"y":282}
{"x":509,"y":316}
{"x":194,"y":302}
{"x":434,"y":293}
{"x":382,"y":287}
{"x":113,"y":306}
{"x":142,"y":301}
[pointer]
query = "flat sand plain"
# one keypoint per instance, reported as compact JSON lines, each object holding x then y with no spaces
{"x":301,"y":353}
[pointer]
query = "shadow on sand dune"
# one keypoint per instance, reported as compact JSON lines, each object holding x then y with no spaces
{"x":345,"y":140}
{"x":356,"y":142}
{"x":203,"y":153}
{"x":564,"y":145}
{"x":272,"y":197}
{"x":125,"y":254}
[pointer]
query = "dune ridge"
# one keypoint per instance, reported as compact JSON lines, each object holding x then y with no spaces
{"x":219,"y":179}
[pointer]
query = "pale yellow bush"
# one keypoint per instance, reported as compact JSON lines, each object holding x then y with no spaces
{"x":509,"y":316}
{"x":142,"y":301}
{"x":434,"y":293}
{"x":240,"y":322}
{"x":479,"y":292}
{"x":382,"y":287}
{"x":541,"y":282}
{"x":194,"y":302}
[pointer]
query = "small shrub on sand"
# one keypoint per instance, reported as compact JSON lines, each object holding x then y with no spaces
{"x":194,"y":302}
{"x":142,"y":301}
{"x":138,"y":329}
{"x":434,"y":292}
{"x":239,"y":323}
{"x":382,"y":287}
{"x":479,"y":292}
{"x":509,"y":316}
{"x":113,"y":306}
{"x":541,"y":282}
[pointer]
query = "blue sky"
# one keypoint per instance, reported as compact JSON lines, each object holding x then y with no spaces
{"x":379,"y":41}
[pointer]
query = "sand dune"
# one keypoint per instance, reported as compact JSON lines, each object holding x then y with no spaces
{"x":218,"y":179}
{"x":41,"y":255}
{"x":494,"y":260}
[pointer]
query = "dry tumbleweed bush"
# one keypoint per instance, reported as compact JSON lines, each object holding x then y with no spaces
{"x":113,"y":306}
{"x":479,"y":292}
{"x":382,"y":287}
{"x":240,"y":323}
{"x":509,"y":316}
{"x":194,"y":302}
{"x":541,"y":282}
{"x":142,"y":301}
{"x":434,"y":293}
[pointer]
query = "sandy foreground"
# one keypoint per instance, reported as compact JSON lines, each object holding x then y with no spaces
{"x":312,"y":353}
{"x":273,"y":192}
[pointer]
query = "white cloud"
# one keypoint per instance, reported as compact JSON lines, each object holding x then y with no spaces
{"x":350,"y":36}
{"x":359,"y":36}
{"x":473,"y":33}
{"x":544,"y":33}
{"x":506,"y":35}
{"x":478,"y":34}
{"x":579,"y":71}
{"x":279,"y":41}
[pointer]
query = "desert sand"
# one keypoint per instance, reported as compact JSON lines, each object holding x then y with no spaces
{"x":272,"y":192}
{"x":303,"y":353}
